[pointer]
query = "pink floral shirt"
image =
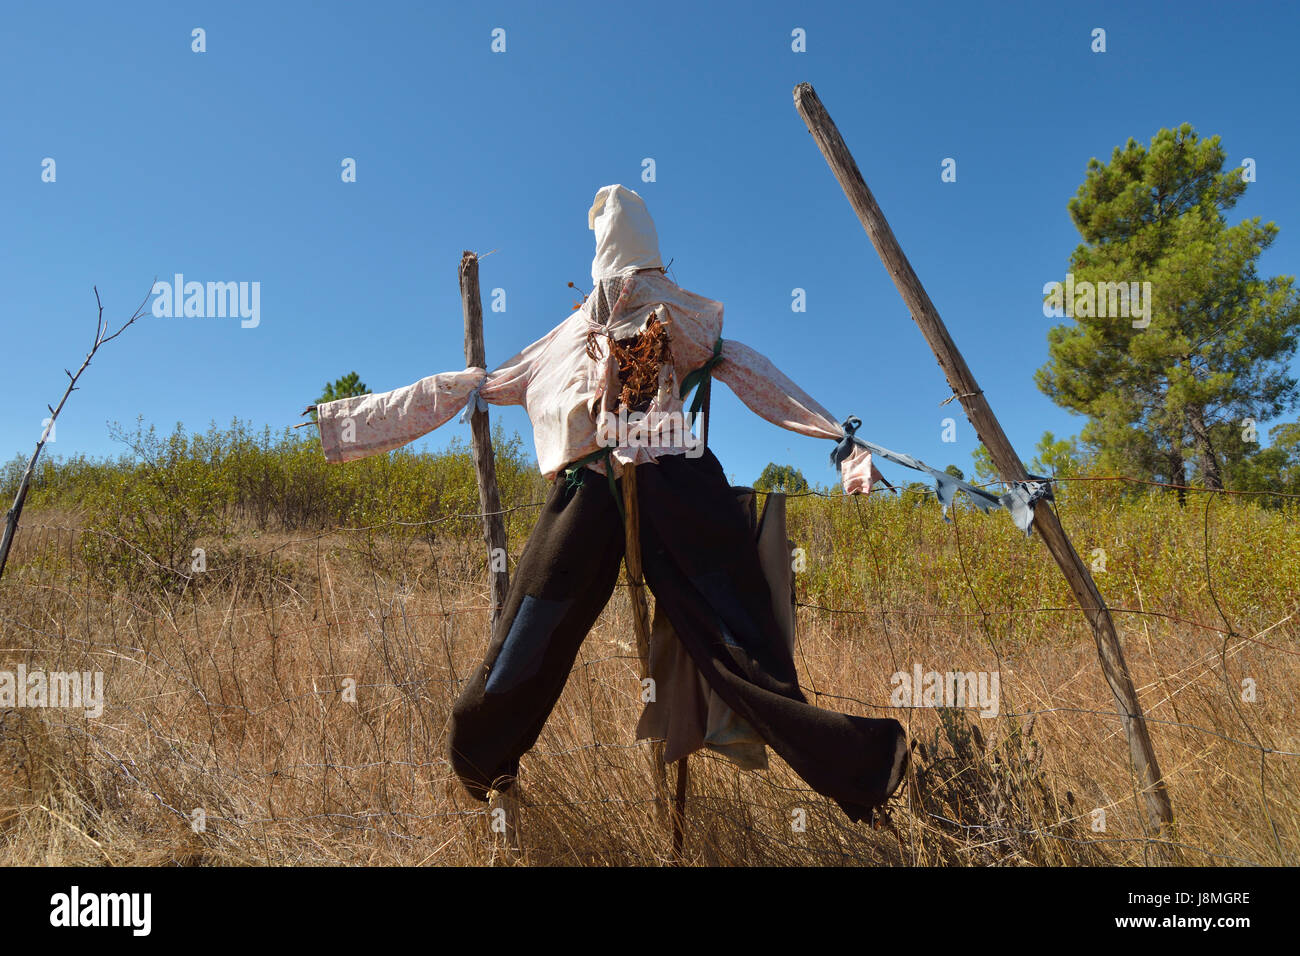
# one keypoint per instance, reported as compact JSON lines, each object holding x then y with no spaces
{"x":571,"y":398}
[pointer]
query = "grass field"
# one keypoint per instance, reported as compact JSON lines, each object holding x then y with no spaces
{"x":229,"y":734}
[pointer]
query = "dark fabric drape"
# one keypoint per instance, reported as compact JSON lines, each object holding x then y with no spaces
{"x":701,"y":561}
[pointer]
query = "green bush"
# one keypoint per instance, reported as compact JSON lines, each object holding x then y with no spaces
{"x":149,"y":509}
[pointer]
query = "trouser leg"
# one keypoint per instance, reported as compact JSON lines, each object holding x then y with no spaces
{"x":561,"y":583}
{"x":702,"y":564}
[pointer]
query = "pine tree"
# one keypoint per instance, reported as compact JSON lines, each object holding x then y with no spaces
{"x":349,"y":386}
{"x":1219,"y":339}
{"x":783,"y":478}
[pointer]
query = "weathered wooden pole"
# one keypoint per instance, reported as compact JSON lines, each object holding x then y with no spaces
{"x":485,"y":463}
{"x":641,"y":622}
{"x":679,"y":809}
{"x":503,"y":806}
{"x":1159,"y":810}
{"x":15,"y":511}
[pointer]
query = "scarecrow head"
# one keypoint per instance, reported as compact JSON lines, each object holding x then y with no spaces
{"x":626,"y":239}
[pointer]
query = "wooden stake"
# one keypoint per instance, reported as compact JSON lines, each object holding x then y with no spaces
{"x":679,"y":811}
{"x":485,"y":464}
{"x":641,"y":619}
{"x":1159,"y":810}
{"x":503,"y":806}
{"x":503,"y":823}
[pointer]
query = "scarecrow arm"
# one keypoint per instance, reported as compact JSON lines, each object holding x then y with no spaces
{"x":770,"y":394}
{"x":353,"y":428}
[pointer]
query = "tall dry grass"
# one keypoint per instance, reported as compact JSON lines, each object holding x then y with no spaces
{"x":225,"y":693}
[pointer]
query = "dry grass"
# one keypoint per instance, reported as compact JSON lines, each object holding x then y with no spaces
{"x":225,"y":697}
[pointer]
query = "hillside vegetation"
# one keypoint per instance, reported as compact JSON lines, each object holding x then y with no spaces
{"x":281,"y":696}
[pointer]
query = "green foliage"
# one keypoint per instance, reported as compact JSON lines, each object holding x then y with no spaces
{"x":955,"y":472}
{"x":887,"y":551}
{"x":1275,"y":468}
{"x":147,"y":510}
{"x":1054,"y":458}
{"x":153,"y":511}
{"x":782,"y":478}
{"x":349,"y":386}
{"x":1220,"y":336}
{"x":985,"y":470}
{"x":171,"y":494}
{"x":1057,"y":459}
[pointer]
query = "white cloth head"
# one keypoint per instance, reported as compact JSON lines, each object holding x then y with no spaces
{"x":626,"y":239}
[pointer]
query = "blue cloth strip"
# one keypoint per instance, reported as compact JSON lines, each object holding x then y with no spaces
{"x":1019,"y":500}
{"x":473,"y":402}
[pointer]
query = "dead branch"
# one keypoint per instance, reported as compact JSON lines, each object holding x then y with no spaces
{"x":102,"y":337}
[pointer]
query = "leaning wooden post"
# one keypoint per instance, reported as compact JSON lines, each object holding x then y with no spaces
{"x":641,"y":621}
{"x":503,"y":806}
{"x":1159,"y":810}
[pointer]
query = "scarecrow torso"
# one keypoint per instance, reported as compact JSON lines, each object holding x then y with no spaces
{"x":621,"y":378}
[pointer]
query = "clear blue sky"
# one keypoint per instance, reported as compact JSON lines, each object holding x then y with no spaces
{"x":225,"y":166}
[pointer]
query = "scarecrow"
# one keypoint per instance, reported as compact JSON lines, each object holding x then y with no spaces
{"x":605,"y":393}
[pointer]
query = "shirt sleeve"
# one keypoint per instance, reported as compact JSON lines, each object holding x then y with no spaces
{"x":508,"y":383}
{"x":769,"y":393}
{"x":353,"y":428}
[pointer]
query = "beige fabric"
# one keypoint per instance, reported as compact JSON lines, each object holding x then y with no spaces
{"x":568,"y":392}
{"x":686,"y":713}
{"x":626,"y":238}
{"x":561,"y":387}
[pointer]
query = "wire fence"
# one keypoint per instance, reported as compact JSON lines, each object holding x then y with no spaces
{"x":288,"y":703}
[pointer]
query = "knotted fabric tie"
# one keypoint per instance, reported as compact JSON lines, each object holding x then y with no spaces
{"x":844,"y":447}
{"x":1021,"y":497}
{"x":573,"y":474}
{"x":700,"y":376}
{"x":474,"y":402}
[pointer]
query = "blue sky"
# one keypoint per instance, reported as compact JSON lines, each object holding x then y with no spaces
{"x":225,"y":166}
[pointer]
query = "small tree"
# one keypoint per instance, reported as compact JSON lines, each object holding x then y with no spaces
{"x":1054,"y":459}
{"x":781,"y":478}
{"x":1275,"y":468}
{"x":1057,"y":459}
{"x":1217,"y":339}
{"x":349,"y":386}
{"x":985,"y":470}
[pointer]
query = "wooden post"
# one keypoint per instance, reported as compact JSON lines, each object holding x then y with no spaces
{"x":16,"y":510}
{"x":679,"y":810}
{"x":641,"y":620}
{"x":503,"y":806}
{"x":485,"y":463}
{"x":827,"y":136}
{"x":503,"y":824}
